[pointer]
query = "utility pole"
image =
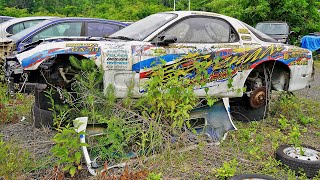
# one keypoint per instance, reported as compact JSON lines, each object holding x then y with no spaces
{"x":174,"y":5}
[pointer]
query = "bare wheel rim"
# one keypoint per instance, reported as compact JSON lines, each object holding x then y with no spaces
{"x":308,"y":155}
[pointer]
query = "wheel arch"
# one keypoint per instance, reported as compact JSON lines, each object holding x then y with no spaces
{"x":279,"y":73}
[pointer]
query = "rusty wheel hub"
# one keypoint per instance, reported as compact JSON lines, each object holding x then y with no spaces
{"x":258,"y":97}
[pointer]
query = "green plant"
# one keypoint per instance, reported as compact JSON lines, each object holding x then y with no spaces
{"x":227,"y":170}
{"x":306,"y":120}
{"x":154,"y":176}
{"x":68,"y":149}
{"x":116,"y":140}
{"x":14,"y":160}
{"x":60,"y":112}
{"x":283,"y":122}
{"x":13,"y":108}
{"x":295,"y":135}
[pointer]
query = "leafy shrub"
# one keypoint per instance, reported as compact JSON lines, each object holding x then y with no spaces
{"x":227,"y":170}
{"x":68,"y":149}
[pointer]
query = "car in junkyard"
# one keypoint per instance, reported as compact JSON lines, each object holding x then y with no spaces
{"x":63,"y":27}
{"x":278,"y":30}
{"x":257,"y":62}
{"x":12,"y":27}
{"x":66,"y":27}
{"x":16,"y":25}
{"x":5,"y":18}
{"x":58,"y":27}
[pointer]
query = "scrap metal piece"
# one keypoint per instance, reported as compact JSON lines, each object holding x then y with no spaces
{"x":217,"y":120}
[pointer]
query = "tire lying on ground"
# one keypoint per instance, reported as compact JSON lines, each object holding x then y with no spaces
{"x":251,"y":176}
{"x":309,"y":162}
{"x":41,"y":117}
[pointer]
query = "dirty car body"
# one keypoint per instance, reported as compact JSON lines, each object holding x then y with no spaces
{"x":230,"y":48}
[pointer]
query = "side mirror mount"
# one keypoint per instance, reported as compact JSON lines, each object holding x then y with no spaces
{"x":164,"y":40}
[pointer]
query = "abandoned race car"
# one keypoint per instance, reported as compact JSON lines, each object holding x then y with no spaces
{"x":259,"y":63}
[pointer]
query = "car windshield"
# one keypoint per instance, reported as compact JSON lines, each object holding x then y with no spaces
{"x":21,"y":34}
{"x":260,"y":35}
{"x":143,"y":28}
{"x":273,"y":28}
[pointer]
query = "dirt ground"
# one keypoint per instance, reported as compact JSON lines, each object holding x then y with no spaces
{"x":38,"y":142}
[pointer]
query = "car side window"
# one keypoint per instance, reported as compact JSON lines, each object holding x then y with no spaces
{"x":96,"y":29}
{"x":202,"y":30}
{"x":28,"y":24}
{"x":62,"y":29}
{"x":16,"y":28}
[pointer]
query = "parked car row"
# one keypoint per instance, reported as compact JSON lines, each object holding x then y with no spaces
{"x":17,"y":33}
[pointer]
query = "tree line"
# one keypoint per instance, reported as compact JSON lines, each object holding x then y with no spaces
{"x":302,"y":15}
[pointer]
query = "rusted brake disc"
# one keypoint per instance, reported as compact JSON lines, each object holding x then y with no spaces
{"x":258,"y":97}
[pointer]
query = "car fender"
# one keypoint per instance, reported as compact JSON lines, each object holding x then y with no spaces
{"x":30,"y":60}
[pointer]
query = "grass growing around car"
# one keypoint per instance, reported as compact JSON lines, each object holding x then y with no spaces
{"x":13,"y":109}
{"x":251,"y":148}
{"x":22,"y":147}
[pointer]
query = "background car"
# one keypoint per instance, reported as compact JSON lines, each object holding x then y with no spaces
{"x":5,"y":18}
{"x":16,"y":25}
{"x":278,"y":30}
{"x":66,"y":27}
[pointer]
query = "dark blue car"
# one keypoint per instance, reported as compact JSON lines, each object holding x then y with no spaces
{"x":66,"y":27}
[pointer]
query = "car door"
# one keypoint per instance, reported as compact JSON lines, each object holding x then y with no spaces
{"x":197,"y":37}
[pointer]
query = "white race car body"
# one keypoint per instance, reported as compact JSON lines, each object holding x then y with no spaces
{"x":126,"y":60}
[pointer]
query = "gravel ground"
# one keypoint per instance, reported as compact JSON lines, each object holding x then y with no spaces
{"x":36,"y":141}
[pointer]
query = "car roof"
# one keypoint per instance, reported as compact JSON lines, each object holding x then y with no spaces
{"x":204,"y":13}
{"x":17,"y":37}
{"x":85,"y":19}
{"x":17,"y":20}
{"x":188,"y":13}
{"x":7,"y":17}
{"x":281,"y":22}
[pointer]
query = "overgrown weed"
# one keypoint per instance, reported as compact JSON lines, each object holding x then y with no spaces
{"x":12,"y":109}
{"x":14,"y":160}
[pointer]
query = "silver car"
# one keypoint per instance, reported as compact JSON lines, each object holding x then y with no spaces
{"x":16,"y":25}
